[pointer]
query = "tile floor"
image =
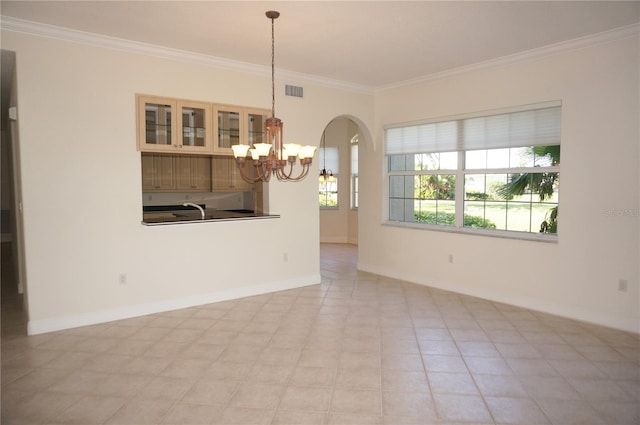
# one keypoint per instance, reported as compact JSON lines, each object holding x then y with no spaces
{"x":356,"y":349}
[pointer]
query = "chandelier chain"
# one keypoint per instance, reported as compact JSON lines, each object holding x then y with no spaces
{"x":273,"y":74}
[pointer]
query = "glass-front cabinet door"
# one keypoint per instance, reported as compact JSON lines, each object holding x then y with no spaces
{"x":173,"y":126}
{"x":237,"y":125}
{"x":229,"y":129}
{"x":255,"y":126}
{"x":195,"y":124}
{"x":156,"y":121}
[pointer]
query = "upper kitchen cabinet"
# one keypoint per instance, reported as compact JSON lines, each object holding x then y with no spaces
{"x":173,"y":125}
{"x":237,"y":125}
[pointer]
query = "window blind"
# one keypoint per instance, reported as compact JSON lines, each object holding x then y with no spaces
{"x":354,"y":159}
{"x":328,"y":156}
{"x":535,"y":127}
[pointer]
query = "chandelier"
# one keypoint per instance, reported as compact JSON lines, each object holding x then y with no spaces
{"x":274,"y":158}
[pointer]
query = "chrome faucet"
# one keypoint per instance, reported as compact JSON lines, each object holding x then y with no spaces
{"x":191,"y":204}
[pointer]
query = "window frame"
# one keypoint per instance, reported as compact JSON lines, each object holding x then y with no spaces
{"x":321,"y":165}
{"x":354,"y":188}
{"x":460,"y":174}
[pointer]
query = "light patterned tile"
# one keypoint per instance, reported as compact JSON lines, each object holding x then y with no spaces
{"x":39,"y":407}
{"x":164,"y":387}
{"x":407,"y":381}
{"x":437,"y":363}
{"x":207,"y":391}
{"x":288,"y":417}
{"x":545,"y":387}
{"x":618,"y":412}
{"x":257,"y":395}
{"x":500,"y":385}
{"x":306,"y":399}
{"x":313,"y":376}
{"x":600,"y":389}
{"x":452,"y":383}
{"x":244,"y":416}
{"x":577,"y":369}
{"x":572,"y":412}
{"x":140,"y":412}
{"x":357,"y":402}
{"x":272,"y":374}
{"x":508,"y":410}
{"x":362,"y":378}
{"x":408,"y":404}
{"x":91,"y":410}
{"x":192,"y":414}
{"x":462,"y":408}
{"x":346,"y":419}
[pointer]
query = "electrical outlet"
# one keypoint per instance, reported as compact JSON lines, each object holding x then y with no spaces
{"x":623,"y":285}
{"x":122,"y":278}
{"x":285,"y":257}
{"x":451,"y":258}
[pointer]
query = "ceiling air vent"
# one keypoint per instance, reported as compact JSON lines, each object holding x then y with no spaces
{"x":294,"y":91}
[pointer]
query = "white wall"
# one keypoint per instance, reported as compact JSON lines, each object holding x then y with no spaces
{"x":599,"y":194}
{"x":81,"y":187}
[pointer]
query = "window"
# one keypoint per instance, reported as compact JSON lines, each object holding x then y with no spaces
{"x":494,"y":172}
{"x":328,"y":186}
{"x":354,"y":172}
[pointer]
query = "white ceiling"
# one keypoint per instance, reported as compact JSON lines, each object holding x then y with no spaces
{"x":367,"y":43}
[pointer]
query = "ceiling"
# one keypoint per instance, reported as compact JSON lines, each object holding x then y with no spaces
{"x":365,"y":43}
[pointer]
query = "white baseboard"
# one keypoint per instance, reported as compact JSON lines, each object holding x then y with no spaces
{"x":561,"y":310}
{"x":35,"y":327}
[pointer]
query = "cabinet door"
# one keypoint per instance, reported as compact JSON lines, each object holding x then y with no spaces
{"x":221,"y":173}
{"x":156,"y":124}
{"x":226,"y":176}
{"x":229,"y":129}
{"x":193,"y":173}
{"x":196,"y":127}
{"x":238,"y":182}
{"x":158,"y":172}
{"x":255,"y":131}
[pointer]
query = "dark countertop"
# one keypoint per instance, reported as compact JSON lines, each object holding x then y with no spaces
{"x":151,"y":218}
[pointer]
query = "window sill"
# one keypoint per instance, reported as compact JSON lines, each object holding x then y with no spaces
{"x":504,"y":234}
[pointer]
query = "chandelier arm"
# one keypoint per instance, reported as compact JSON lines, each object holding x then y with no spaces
{"x":284,"y":176}
{"x":287,"y":175}
{"x":244,"y":175}
{"x":305,"y":171}
{"x":263,"y":171}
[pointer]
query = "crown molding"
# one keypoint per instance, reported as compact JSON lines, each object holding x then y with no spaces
{"x":65,"y":34}
{"x":541,"y":52}
{"x":50,"y":31}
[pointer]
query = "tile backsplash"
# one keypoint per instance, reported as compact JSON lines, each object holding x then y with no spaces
{"x":220,"y":201}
